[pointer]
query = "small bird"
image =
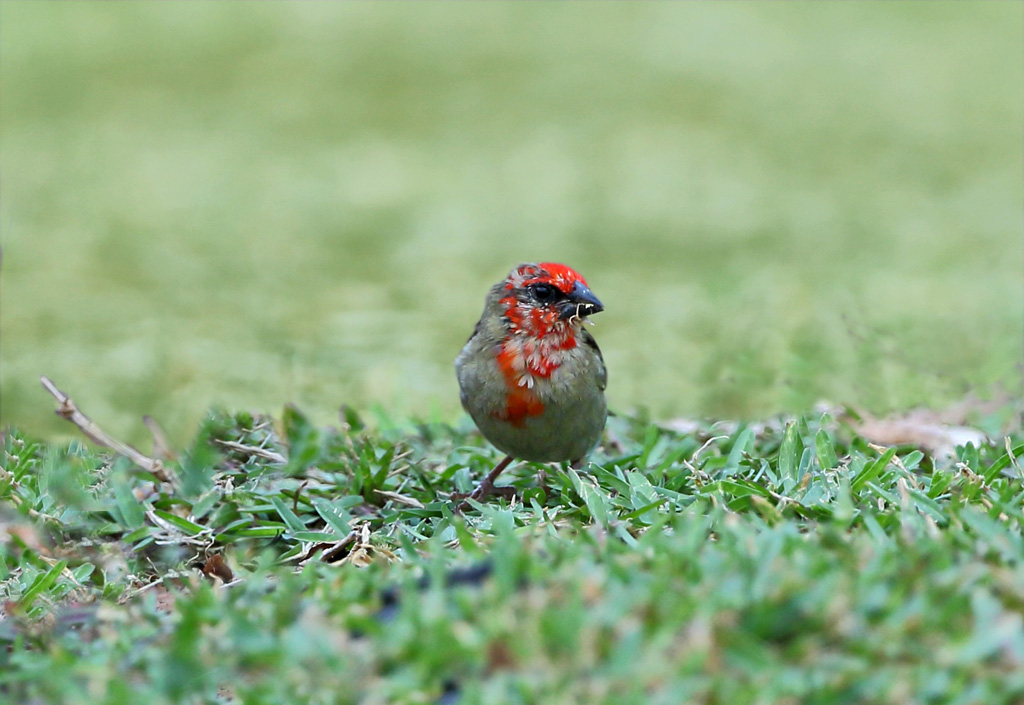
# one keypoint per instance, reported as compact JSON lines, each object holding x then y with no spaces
{"x":531,"y":376}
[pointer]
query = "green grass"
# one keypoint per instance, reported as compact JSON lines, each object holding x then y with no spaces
{"x":219,"y":203}
{"x":246,"y":204}
{"x":790,"y":562}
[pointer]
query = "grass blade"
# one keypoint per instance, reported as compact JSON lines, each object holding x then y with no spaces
{"x":42,"y":583}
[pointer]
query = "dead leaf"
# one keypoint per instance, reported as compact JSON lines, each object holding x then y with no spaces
{"x":919,"y":428}
{"x":217,"y":567}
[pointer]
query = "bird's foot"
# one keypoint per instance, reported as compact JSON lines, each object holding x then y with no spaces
{"x":486,"y":487}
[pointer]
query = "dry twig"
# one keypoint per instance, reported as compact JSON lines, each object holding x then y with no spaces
{"x":69,"y":410}
{"x":401,"y":499}
{"x":162,"y":447}
{"x":270,"y":455}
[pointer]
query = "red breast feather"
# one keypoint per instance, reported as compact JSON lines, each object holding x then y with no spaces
{"x":537,"y":336}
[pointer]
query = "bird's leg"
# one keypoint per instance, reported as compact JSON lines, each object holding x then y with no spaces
{"x":486,"y":485}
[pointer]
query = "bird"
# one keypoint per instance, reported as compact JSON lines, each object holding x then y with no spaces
{"x":531,"y":376}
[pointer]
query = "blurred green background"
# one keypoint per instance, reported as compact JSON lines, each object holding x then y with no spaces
{"x":248,"y":204}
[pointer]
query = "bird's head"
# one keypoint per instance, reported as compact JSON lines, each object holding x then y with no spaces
{"x":546,"y":300}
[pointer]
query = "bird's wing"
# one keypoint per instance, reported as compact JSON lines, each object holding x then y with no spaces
{"x":602,"y":375}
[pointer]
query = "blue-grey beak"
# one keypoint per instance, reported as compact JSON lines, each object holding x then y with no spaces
{"x":581,"y":303}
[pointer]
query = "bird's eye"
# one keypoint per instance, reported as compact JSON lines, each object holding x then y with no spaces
{"x":544,"y":293}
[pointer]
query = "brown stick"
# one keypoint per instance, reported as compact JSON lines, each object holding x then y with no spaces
{"x":270,"y":455}
{"x":162,"y":447}
{"x":69,"y":410}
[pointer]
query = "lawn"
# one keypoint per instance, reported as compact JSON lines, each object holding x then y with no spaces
{"x":804,"y":221}
{"x":279,"y":562}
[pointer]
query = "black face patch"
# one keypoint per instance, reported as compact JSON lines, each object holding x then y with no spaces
{"x":544,"y":294}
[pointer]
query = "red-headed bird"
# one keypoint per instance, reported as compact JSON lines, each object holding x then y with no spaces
{"x":531,"y":376}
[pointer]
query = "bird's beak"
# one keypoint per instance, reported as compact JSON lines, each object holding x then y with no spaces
{"x":581,"y":303}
